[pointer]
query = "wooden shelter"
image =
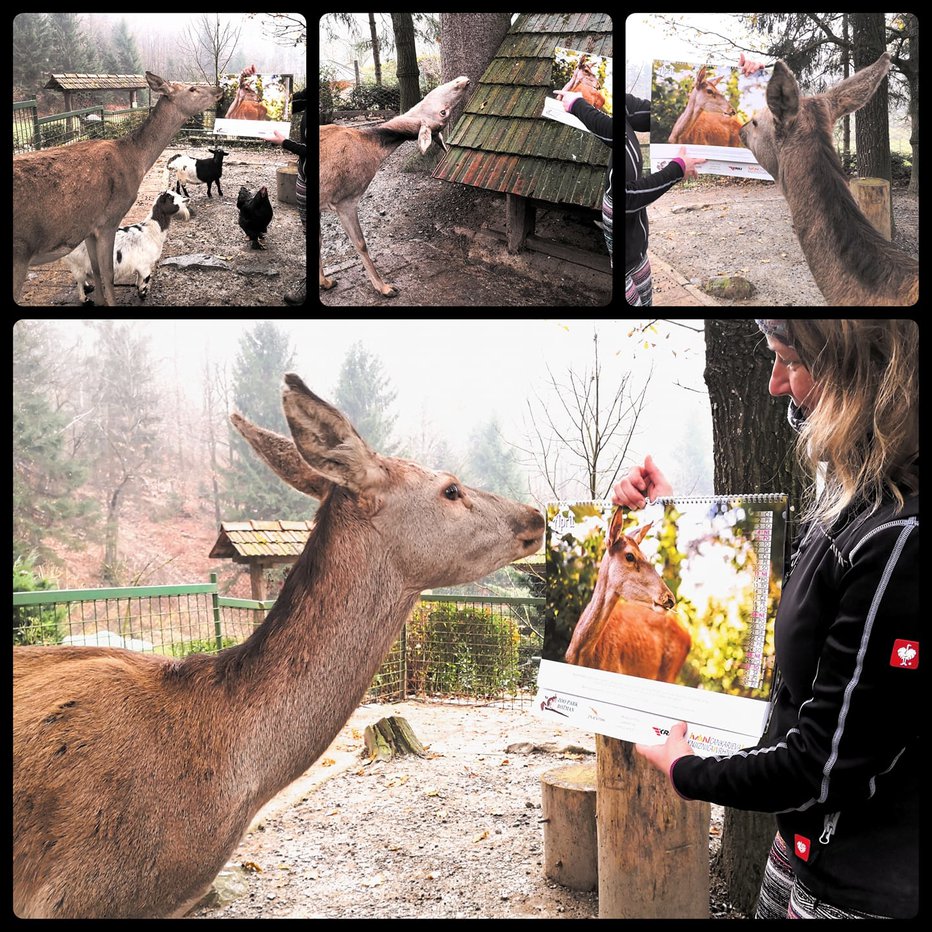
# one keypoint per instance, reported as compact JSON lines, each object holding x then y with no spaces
{"x":502,"y":143}
{"x":70,"y":83}
{"x":260,"y":545}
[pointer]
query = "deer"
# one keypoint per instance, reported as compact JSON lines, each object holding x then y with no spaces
{"x":792,"y":139}
{"x":709,"y":119}
{"x":81,"y":193}
{"x":628,"y":626}
{"x":349,"y":159}
{"x":585,"y":81}
{"x":135,"y":775}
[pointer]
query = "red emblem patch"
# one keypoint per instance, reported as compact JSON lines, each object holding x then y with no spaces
{"x":801,"y":847}
{"x":905,"y":654}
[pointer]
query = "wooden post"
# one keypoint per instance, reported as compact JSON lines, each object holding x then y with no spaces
{"x":653,"y":845}
{"x":568,"y":810}
{"x":872,"y":195}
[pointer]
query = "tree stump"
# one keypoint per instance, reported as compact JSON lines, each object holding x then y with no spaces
{"x":653,"y":845}
{"x":568,"y":810}
{"x":391,"y":737}
{"x":872,"y":195}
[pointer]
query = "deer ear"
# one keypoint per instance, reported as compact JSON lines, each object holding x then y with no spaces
{"x":783,"y":95}
{"x":424,"y":138}
{"x":327,"y":441}
{"x":638,"y":534}
{"x":852,"y":93}
{"x":614,"y":529}
{"x":282,"y":456}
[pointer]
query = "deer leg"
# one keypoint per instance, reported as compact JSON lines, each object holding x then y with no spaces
{"x":325,"y":282}
{"x":346,"y":211}
{"x":100,"y":252}
{"x":20,"y":268}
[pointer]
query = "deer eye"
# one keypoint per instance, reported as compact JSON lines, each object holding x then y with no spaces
{"x":631,"y":558}
{"x":452,"y":492}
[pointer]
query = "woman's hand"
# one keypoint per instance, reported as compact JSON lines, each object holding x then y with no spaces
{"x":663,"y":755}
{"x":641,"y":483}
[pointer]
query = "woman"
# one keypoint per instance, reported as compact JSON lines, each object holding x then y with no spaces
{"x":839,"y":761}
{"x":298,"y":105}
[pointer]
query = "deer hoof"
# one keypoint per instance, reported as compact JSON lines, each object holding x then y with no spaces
{"x":389,"y":291}
{"x":327,"y":283}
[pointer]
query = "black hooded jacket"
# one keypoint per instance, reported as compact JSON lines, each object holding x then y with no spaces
{"x":839,"y":762}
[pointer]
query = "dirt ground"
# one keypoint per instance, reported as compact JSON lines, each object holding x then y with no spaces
{"x":455,"y":835}
{"x":248,"y":278}
{"x":734,"y":227}
{"x":442,"y":245}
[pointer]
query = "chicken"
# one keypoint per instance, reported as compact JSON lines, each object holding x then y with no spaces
{"x":255,"y":214}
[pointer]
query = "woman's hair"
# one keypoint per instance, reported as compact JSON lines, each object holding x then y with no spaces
{"x":864,"y":429}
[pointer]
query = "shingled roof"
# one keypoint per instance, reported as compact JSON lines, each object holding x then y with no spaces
{"x":95,"y":82}
{"x":270,"y":541}
{"x":502,"y":143}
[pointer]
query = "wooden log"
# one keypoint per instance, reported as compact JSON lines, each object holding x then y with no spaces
{"x":568,"y":810}
{"x":872,"y":195}
{"x":653,"y":845}
{"x":391,"y":737}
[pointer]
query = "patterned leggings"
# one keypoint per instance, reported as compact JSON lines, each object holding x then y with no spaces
{"x":783,"y":896}
{"x":639,"y":285}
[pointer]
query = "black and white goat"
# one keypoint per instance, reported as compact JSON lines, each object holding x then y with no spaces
{"x":136,"y":250}
{"x":198,"y":171}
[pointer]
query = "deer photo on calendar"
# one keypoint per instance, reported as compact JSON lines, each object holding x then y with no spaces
{"x":583,"y":73}
{"x":645,"y":611}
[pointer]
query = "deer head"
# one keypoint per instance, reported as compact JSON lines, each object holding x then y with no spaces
{"x":435,"y":109}
{"x":433,"y":529}
{"x":791,"y":119}
{"x":707,"y":95}
{"x":629,"y":574}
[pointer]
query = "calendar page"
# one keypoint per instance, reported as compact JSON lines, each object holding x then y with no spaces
{"x":663,"y":615}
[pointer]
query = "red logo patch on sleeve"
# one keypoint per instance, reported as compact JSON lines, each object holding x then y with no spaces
{"x":801,"y":846}
{"x":905,"y":655}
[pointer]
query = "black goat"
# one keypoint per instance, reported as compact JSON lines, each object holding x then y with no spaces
{"x":198,"y":171}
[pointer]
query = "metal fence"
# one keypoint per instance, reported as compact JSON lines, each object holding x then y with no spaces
{"x":471,"y":648}
{"x":32,"y":132}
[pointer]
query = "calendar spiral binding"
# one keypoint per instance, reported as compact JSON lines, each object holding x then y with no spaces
{"x":765,"y":498}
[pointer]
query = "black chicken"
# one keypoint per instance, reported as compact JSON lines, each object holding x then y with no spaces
{"x":255,"y":214}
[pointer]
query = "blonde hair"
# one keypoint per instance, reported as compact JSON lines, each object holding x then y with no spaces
{"x":864,"y":428}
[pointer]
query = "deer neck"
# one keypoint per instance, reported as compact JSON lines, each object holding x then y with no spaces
{"x":288,"y":690}
{"x":393,"y":133}
{"x":831,"y":229}
{"x":150,"y":139}
{"x":591,"y":624}
{"x":686,"y":119}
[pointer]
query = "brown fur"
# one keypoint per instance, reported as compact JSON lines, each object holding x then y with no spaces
{"x":82,"y":192}
{"x":349,"y":159}
{"x":708,"y":120}
{"x":135,"y":776}
{"x":628,"y":627}
{"x":852,"y":264}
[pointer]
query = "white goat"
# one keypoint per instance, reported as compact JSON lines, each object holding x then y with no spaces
{"x":349,"y":159}
{"x":137,"y":249}
{"x":198,"y":171}
{"x":76,"y":193}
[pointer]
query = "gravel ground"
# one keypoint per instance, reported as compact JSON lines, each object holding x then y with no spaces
{"x":455,"y":835}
